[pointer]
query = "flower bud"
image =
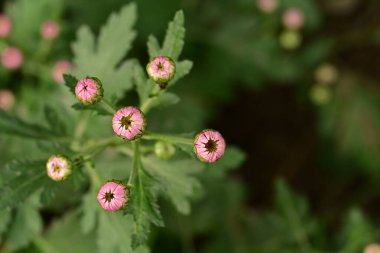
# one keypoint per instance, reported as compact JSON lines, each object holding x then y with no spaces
{"x":5,"y":26}
{"x":11,"y":58}
{"x":161,"y":70}
{"x":164,"y":150}
{"x":7,"y":100}
{"x":209,"y":145}
{"x":58,"y":167}
{"x":326,"y":74}
{"x":372,"y":248}
{"x":89,"y":90}
{"x":49,"y":30}
{"x":290,"y":39}
{"x":320,"y":94}
{"x":129,"y":123}
{"x":267,"y":6}
{"x":60,"y":68}
{"x":293,"y":18}
{"x":113,"y":196}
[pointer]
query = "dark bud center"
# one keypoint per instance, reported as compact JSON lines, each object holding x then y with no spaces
{"x":109,"y":196}
{"x":211,"y":145}
{"x":126,"y":121}
{"x":160,"y":66}
{"x":56,"y":168}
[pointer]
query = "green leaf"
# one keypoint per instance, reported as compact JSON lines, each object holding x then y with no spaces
{"x":352,"y":120}
{"x":56,"y":123}
{"x":174,"y":38}
{"x":89,"y":211}
{"x":96,"y":108}
{"x":70,"y":82}
{"x":153,"y":47}
{"x":182,"y":69}
{"x":232,"y":159}
{"x":357,"y":232}
{"x":144,"y":207}
{"x":11,"y":124}
{"x":114,"y":233}
{"x":293,"y":211}
{"x":5,"y":218}
{"x":176,"y":178}
{"x":165,"y":99}
{"x":102,"y":57}
{"x":25,"y":226}
{"x":62,"y":231}
{"x":24,"y":178}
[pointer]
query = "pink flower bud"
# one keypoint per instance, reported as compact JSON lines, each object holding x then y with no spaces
{"x":12,"y":58}
{"x":293,"y":18}
{"x":89,"y":90}
{"x":5,"y":26}
{"x":209,"y":145}
{"x":60,"y":68}
{"x":50,"y":30}
{"x":58,"y":167}
{"x":129,"y":123}
{"x":267,"y":6}
{"x":161,"y":70}
{"x":113,"y":196}
{"x":7,"y":99}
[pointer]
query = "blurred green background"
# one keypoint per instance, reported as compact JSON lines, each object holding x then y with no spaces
{"x":300,"y":106}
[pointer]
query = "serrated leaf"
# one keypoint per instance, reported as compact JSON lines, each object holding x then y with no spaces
{"x":5,"y":218}
{"x":70,"y":82}
{"x":357,"y":232}
{"x":25,"y":226}
{"x":177,"y":178}
{"x":165,"y":99}
{"x":57,"y":125}
{"x":174,"y":38}
{"x":153,"y":47}
{"x":11,"y":124}
{"x":96,"y":108}
{"x":182,"y":69}
{"x":144,"y":207}
{"x":102,"y":57}
{"x":65,"y":230}
{"x":114,"y":233}
{"x":89,"y":212}
{"x":28,"y":177}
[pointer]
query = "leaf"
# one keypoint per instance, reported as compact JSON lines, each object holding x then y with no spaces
{"x":176,"y":178}
{"x":57,"y":125}
{"x":26,"y":225}
{"x":352,"y":120}
{"x":182,"y":69}
{"x":165,"y":99}
{"x":89,"y":212}
{"x":96,"y":108}
{"x":102,"y":57}
{"x":144,"y":207}
{"x":11,"y":124}
{"x":174,"y":38}
{"x":293,"y":211}
{"x":114,"y":233}
{"x":153,"y":47}
{"x":357,"y":232}
{"x":65,"y":230}
{"x":26,"y":177}
{"x":5,"y":218}
{"x":70,"y":82}
{"x":232,"y":159}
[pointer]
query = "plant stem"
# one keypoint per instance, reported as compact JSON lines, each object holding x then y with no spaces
{"x":168,"y":138}
{"x":107,"y":106}
{"x":147,"y":105}
{"x":136,"y":162}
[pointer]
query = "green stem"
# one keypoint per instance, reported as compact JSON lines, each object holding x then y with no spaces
{"x":107,"y":106}
{"x":136,"y":162}
{"x":168,"y":138}
{"x":79,"y":130}
{"x":147,"y":105}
